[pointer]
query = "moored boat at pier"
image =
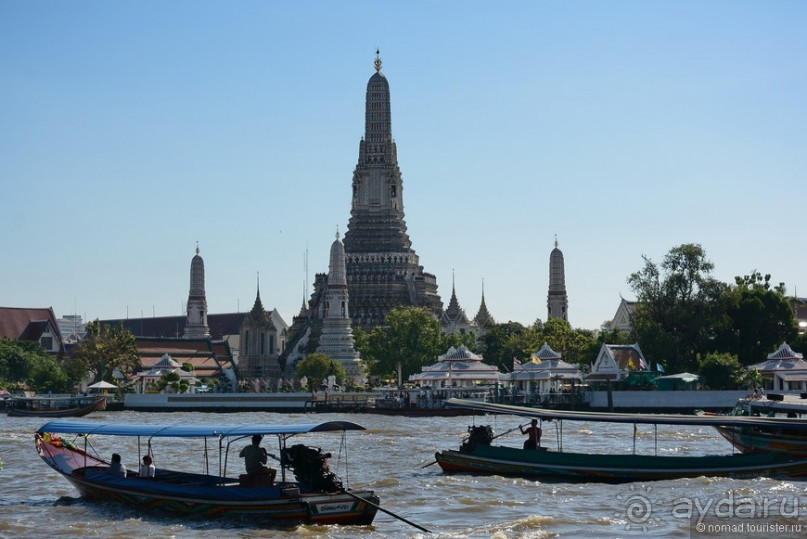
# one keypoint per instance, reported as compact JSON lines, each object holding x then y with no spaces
{"x":64,"y":406}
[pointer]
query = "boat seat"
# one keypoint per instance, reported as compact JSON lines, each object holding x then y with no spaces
{"x":262,"y":478}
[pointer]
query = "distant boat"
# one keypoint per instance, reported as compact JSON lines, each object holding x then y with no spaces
{"x":478,"y":455}
{"x":316,"y":497}
{"x":787,"y":433}
{"x":54,"y":406}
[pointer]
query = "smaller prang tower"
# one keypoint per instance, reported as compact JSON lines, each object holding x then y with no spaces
{"x":336,"y":340}
{"x":557,"y":301}
{"x":196,"y":322}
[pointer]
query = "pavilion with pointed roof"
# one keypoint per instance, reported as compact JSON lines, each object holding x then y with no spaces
{"x":786,"y":367}
{"x":458,"y":367}
{"x":165,"y":365}
{"x":545,"y":372}
{"x":615,"y":361}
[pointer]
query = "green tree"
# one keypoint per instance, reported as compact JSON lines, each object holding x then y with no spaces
{"x":680,"y":309}
{"x":317,"y":367}
{"x":15,"y":359}
{"x":106,"y":348}
{"x":799,"y":343}
{"x":575,"y":345}
{"x":458,"y":339}
{"x":47,"y":375}
{"x":497,"y":347}
{"x":410,"y":337}
{"x":761,"y":318}
{"x":27,"y":362}
{"x":169,"y":379}
{"x":752,"y":379}
{"x":720,"y":370}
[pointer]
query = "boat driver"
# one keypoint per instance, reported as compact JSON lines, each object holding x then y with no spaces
{"x":254,"y":456}
{"x":533,"y":433}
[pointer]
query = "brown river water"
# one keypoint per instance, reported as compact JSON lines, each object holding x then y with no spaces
{"x":36,"y":502}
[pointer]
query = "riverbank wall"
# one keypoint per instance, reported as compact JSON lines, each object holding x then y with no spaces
{"x":247,"y":402}
{"x":678,"y":402}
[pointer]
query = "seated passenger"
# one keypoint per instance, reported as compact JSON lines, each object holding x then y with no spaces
{"x":147,"y":469}
{"x":116,"y":468}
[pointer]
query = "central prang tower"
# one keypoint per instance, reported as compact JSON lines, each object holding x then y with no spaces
{"x":383,"y":270}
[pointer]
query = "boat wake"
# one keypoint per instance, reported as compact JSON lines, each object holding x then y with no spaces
{"x":67,"y":501}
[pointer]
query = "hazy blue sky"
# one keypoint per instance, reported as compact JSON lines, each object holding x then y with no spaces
{"x":132,"y":130}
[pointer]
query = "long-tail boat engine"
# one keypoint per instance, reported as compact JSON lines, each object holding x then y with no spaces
{"x":310,"y":467}
{"x":481,"y":435}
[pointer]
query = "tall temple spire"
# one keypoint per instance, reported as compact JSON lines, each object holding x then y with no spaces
{"x":382,"y":269}
{"x":557,"y":301}
{"x":196,"y":321}
{"x":257,"y":307}
{"x":483,"y":317}
{"x":454,"y":319}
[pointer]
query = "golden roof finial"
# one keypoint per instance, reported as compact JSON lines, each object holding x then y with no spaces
{"x":377,"y":60}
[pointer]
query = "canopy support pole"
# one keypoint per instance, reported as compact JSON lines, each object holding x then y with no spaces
{"x":655,"y":428}
{"x":207,"y":461}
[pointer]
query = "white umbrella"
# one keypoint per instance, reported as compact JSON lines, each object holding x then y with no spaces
{"x":102,"y":385}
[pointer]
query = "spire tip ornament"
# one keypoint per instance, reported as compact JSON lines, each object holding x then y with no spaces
{"x":377,"y":60}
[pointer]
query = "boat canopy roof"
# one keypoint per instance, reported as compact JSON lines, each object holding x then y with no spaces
{"x":191,"y":431}
{"x":609,"y":417}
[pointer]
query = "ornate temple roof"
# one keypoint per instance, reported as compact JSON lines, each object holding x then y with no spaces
{"x":785,"y":352}
{"x":258,"y":313}
{"x":454,"y":313}
{"x":483,"y":317}
{"x":783,"y":359}
{"x":457,"y":365}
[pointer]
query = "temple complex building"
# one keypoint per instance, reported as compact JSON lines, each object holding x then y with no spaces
{"x":557,"y":301}
{"x":382,"y":269}
{"x":454,"y":319}
{"x":262,"y":340}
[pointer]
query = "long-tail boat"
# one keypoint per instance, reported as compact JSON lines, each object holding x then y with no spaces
{"x":315,"y":496}
{"x":54,"y":406}
{"x":787,"y":434}
{"x":478,"y":455}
